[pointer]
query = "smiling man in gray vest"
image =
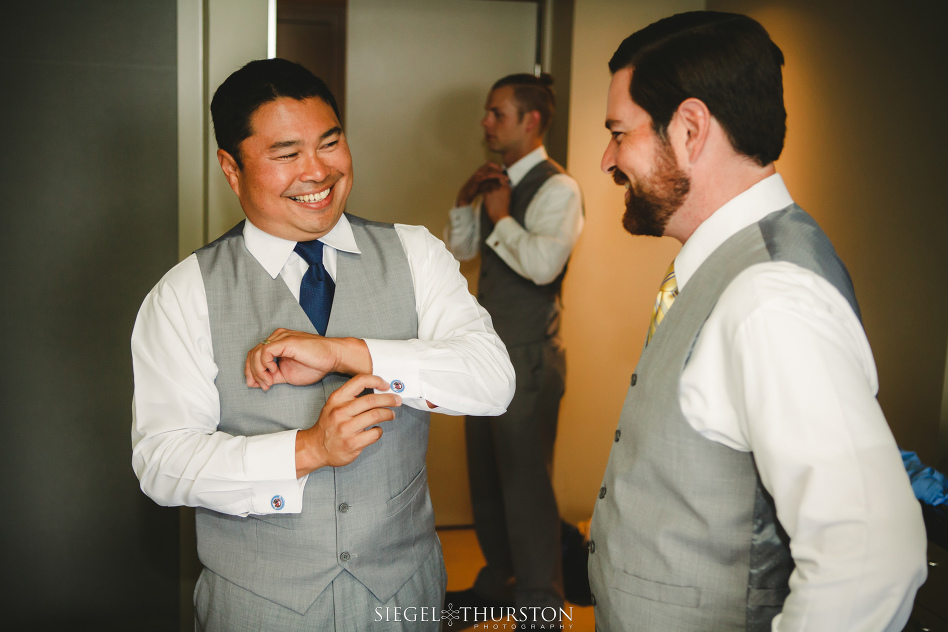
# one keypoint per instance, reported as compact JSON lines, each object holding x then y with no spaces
{"x":524,"y":220}
{"x":753,"y":482}
{"x":313,"y":506}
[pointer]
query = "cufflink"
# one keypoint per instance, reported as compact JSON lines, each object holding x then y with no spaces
{"x":277,"y":502}
{"x":397,"y":386}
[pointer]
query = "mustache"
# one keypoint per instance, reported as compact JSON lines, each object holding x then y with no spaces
{"x":620,"y":178}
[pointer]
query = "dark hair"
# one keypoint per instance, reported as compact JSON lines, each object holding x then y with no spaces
{"x":727,"y":61}
{"x":257,"y":83}
{"x":531,"y":93}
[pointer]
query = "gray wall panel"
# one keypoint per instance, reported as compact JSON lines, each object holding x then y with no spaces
{"x":88,"y":194}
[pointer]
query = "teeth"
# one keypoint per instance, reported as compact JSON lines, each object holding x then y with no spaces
{"x":313,"y":197}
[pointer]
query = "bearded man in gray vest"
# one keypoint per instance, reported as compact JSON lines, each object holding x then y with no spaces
{"x":523,"y":219}
{"x":753,"y":482}
{"x":312,"y":496}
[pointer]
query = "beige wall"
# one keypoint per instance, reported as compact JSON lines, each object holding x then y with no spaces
{"x":415,"y":96}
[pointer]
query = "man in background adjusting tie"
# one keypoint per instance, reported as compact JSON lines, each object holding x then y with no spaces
{"x":753,"y":482}
{"x":524,"y":220}
{"x":313,"y":505}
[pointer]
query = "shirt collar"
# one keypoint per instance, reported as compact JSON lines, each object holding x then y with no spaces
{"x":519,"y":169}
{"x":751,"y":206}
{"x":273,"y":252}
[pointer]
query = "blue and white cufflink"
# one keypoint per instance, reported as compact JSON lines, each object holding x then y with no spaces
{"x":397,"y":386}
{"x":277,"y":502}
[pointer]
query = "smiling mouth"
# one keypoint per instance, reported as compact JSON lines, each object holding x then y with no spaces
{"x":312,"y":197}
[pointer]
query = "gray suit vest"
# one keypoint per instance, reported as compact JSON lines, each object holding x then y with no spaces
{"x":372,"y":517}
{"x":684,"y":536}
{"x":522,"y":311}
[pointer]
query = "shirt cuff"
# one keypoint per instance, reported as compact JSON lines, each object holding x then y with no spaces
{"x":270,"y":461}
{"x":504,"y":231}
{"x":460,"y":215}
{"x":396,"y":363}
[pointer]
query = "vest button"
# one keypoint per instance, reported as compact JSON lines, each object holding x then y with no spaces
{"x":635,"y":378}
{"x":591,"y":546}
{"x":602,"y":491}
{"x":344,"y":556}
{"x":344,"y":507}
{"x":618,"y":434}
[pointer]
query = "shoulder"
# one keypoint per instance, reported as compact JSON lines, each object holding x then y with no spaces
{"x":417,"y":238}
{"x":179,"y":293}
{"x":561,"y":184}
{"x":181,"y":281}
{"x":766,"y":290}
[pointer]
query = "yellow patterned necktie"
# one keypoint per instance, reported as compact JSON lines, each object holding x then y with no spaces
{"x":663,"y":302}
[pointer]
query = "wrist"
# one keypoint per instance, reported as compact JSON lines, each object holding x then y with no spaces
{"x":308,"y":454}
{"x":352,"y":356}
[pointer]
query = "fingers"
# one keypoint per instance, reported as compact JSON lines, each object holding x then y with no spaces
{"x":490,"y":168}
{"x":352,"y":388}
{"x":474,"y":186}
{"x":262,"y":368}
{"x":349,"y":422}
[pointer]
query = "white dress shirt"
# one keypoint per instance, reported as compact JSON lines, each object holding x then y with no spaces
{"x":538,"y":250}
{"x":782,"y":368}
{"x":457,"y":362}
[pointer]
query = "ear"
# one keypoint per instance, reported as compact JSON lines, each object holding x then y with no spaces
{"x":694,"y":124}
{"x":230,"y":169}
{"x":532,"y":120}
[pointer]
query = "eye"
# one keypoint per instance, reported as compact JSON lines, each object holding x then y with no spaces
{"x":288,"y":156}
{"x":330,"y":144}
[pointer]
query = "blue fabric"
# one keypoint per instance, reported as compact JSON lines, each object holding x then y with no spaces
{"x":927,"y":482}
{"x":317,"y":289}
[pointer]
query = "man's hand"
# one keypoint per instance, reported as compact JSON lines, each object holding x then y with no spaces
{"x":487,"y":177}
{"x":346,"y":425}
{"x":303,"y":359}
{"x":497,"y":200}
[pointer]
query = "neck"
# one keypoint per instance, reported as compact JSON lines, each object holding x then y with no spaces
{"x":712,"y":191}
{"x":513,"y":155}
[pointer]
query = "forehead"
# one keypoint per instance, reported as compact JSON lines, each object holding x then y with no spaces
{"x":620,"y":108}
{"x":501,"y":98}
{"x":288,"y":118}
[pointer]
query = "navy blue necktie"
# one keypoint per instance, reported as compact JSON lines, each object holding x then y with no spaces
{"x":317,"y":288}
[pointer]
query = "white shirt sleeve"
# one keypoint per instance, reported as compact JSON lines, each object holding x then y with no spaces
{"x":552,"y":224}
{"x":457,"y":362}
{"x":462,"y":234}
{"x":178,"y":454}
{"x":782,"y":368}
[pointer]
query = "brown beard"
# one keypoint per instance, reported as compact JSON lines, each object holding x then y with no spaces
{"x":653,"y":201}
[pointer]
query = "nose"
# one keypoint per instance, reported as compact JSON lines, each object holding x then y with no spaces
{"x":608,"y":163}
{"x":484,"y":120}
{"x":314,"y":169}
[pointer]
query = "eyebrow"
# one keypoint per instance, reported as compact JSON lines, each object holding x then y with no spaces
{"x":283,"y":144}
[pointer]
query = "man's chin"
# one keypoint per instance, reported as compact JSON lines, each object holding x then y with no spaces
{"x":643,"y":226}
